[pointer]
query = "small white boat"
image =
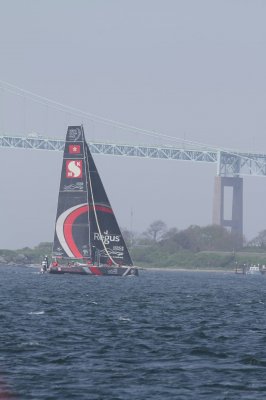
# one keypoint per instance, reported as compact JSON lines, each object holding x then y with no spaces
{"x":254,"y":270}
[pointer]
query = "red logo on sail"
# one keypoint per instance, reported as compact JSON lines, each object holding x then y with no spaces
{"x":74,"y":168}
{"x":74,"y":149}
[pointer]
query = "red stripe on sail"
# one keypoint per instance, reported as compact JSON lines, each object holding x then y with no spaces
{"x":68,"y":225}
{"x":104,"y":209}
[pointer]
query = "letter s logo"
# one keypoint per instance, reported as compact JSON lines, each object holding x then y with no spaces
{"x":74,"y":168}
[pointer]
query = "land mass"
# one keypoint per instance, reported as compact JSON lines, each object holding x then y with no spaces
{"x":153,"y":256}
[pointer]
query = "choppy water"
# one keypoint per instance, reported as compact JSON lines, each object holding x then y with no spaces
{"x":164,"y":335}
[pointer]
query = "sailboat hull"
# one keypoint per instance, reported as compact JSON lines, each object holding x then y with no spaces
{"x":96,"y":270}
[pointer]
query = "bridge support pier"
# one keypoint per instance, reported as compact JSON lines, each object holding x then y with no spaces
{"x":236,"y":221}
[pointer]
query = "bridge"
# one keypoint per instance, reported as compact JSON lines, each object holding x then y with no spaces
{"x":231,"y":165}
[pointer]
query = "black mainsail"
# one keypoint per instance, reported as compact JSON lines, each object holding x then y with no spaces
{"x":71,"y":238}
{"x":86,"y":227}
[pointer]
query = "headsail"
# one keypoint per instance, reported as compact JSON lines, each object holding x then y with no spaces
{"x":71,"y":237}
{"x":106,"y":238}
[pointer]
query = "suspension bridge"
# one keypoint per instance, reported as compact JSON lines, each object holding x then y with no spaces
{"x":231,"y":165}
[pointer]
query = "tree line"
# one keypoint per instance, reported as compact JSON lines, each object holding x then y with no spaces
{"x":210,"y":246}
{"x":194,"y":238}
{"x":198,"y":247}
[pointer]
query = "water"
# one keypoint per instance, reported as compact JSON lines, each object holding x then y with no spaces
{"x":164,"y":335}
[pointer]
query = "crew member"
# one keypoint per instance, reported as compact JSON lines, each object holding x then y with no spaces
{"x":44,"y":266}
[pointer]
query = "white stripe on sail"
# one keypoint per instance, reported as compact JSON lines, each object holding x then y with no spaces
{"x":60,"y":228}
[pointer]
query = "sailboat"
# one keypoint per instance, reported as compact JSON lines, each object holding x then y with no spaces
{"x":87,"y":238}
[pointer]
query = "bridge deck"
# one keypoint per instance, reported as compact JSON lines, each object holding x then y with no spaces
{"x":228,"y":163}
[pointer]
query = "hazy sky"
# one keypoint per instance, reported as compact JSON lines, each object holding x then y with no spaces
{"x":187,"y":68}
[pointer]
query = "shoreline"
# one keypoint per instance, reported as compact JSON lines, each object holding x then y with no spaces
{"x":160,"y":269}
{"x":176,"y":269}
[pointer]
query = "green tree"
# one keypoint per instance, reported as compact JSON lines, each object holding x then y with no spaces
{"x":155,"y":230}
{"x":259,"y":241}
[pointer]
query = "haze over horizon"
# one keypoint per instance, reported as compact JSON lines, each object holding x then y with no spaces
{"x":184,"y":68}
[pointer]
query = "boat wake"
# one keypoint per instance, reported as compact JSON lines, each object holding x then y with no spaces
{"x":36,"y":313}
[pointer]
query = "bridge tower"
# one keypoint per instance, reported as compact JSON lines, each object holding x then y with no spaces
{"x":235,"y":222}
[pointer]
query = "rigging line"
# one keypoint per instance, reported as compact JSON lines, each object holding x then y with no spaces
{"x":107,"y":121}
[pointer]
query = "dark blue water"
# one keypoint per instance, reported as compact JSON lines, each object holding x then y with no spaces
{"x":164,"y":335}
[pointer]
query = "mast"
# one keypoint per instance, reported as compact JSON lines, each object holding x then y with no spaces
{"x":86,"y":166}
